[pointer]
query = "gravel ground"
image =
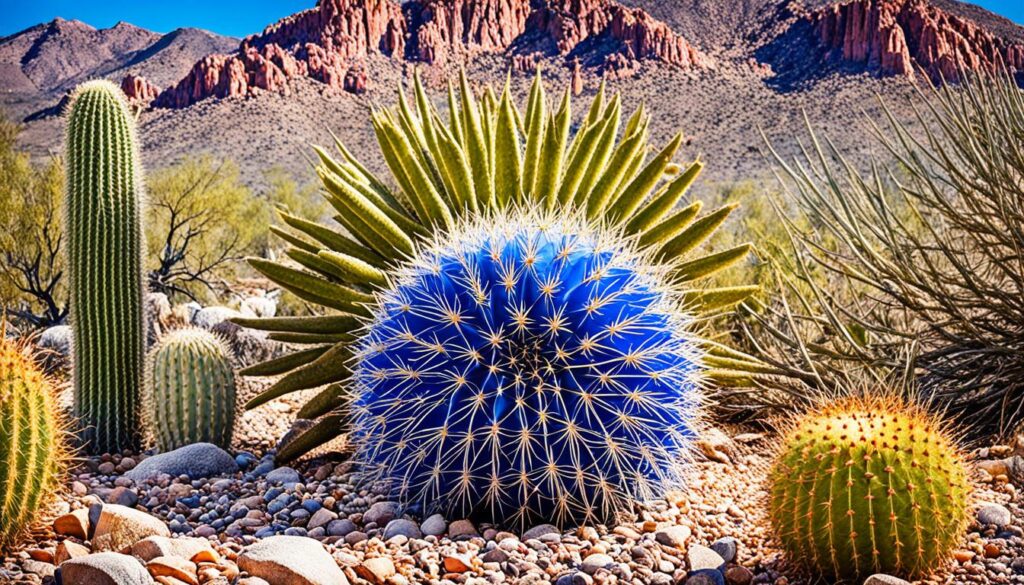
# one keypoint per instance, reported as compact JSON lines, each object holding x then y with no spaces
{"x":324,"y":498}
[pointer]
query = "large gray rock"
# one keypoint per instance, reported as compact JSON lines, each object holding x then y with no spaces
{"x":209,"y":317}
{"x":56,"y":341}
{"x":196,"y":461}
{"x":106,"y":568}
{"x":291,"y":560}
{"x":118,"y":528}
{"x":57,"y":338}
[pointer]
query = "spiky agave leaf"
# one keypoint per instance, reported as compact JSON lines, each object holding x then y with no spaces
{"x":524,"y":368}
{"x":484,"y":160}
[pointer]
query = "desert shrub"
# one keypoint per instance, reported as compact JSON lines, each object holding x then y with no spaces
{"x":202,"y":219}
{"x":32,"y":288}
{"x":921,"y":258}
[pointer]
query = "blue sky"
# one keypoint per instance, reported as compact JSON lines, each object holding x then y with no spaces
{"x":229,"y":17}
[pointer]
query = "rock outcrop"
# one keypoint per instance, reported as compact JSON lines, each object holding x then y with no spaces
{"x":446,"y":27}
{"x":138,"y":89}
{"x":636,"y":34}
{"x":331,"y":42}
{"x":901,"y":37}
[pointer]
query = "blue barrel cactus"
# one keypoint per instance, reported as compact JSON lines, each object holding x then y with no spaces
{"x":527,"y":370}
{"x":504,"y":333}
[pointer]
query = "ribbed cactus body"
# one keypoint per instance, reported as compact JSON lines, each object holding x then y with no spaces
{"x":192,"y":390}
{"x":869,"y":487}
{"x":103,"y":213}
{"x":31,"y":441}
{"x":521,"y":372}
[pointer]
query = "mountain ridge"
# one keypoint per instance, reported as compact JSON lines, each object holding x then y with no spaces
{"x":764,"y":66}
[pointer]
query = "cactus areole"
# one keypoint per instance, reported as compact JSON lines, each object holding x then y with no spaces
{"x":105,"y":265}
{"x":523,"y":370}
{"x":867,"y":487}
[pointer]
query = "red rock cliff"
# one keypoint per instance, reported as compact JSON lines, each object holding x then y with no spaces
{"x":899,"y":36}
{"x":570,"y":22}
{"x":138,"y":89}
{"x":330,"y":42}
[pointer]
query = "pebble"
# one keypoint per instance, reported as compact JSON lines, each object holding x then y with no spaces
{"x":462,"y":529}
{"x":377,"y":570}
{"x":700,"y":558}
{"x":995,"y":515}
{"x":738,"y":575}
{"x":539,"y":531}
{"x":675,"y":536}
{"x":726,"y":548}
{"x":381,"y":513}
{"x":596,"y":561}
{"x":705,"y":577}
{"x":285,"y":476}
{"x":434,"y":525}
{"x":402,"y":527}
{"x":883,"y":579}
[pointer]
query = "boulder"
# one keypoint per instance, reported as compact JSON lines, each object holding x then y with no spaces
{"x":199,"y":460}
{"x":120,"y":527}
{"x":208,"y":317}
{"x":105,"y":568}
{"x":152,"y":547}
{"x":74,"y":524}
{"x":291,"y":560}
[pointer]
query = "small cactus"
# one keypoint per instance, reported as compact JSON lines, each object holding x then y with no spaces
{"x":32,"y":447}
{"x":105,"y":265}
{"x":192,"y":390}
{"x":869,"y":486}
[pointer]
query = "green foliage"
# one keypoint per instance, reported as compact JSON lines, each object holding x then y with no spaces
{"x":201,"y":219}
{"x":191,"y":390}
{"x":869,"y":486}
{"x":31,"y":258}
{"x":105,"y":247}
{"x":489,"y":157}
{"x":921,"y":260}
{"x":31,"y":441}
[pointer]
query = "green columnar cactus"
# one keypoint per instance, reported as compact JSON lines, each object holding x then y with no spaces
{"x":103,"y":210}
{"x":31,"y":441}
{"x":869,"y":486}
{"x":192,"y":390}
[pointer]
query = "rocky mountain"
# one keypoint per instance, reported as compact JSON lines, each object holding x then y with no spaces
{"x":722,"y":70}
{"x":330,"y":42}
{"x":40,"y":64}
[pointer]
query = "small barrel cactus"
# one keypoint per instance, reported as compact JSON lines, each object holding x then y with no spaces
{"x":192,"y":390}
{"x":103,"y":201}
{"x":525,"y":370}
{"x":869,"y":486}
{"x":32,"y":445}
